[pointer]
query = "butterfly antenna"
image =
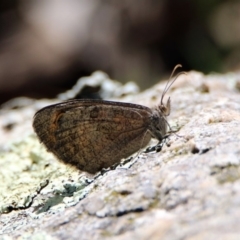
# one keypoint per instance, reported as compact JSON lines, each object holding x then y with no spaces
{"x":170,"y":83}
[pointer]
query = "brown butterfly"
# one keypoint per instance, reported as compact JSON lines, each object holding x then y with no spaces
{"x":95,"y":134}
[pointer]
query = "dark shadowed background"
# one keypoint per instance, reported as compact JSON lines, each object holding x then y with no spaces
{"x":45,"y":46}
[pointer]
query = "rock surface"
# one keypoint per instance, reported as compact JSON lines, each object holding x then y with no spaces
{"x":189,"y":190}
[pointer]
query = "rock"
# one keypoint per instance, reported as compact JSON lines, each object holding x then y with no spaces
{"x":188,"y":190}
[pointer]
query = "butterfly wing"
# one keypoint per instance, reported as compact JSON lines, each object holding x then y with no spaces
{"x":92,"y":134}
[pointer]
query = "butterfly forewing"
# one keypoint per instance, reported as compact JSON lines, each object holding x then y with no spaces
{"x":93,"y":134}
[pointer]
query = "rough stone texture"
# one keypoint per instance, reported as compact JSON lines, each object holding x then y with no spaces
{"x":189,"y":190}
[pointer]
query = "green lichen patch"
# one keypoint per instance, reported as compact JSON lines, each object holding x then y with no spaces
{"x":230,"y":173}
{"x":30,"y":176}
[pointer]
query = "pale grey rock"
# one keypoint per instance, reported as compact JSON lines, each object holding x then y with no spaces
{"x":189,"y":190}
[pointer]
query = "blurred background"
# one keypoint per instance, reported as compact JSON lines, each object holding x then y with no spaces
{"x":45,"y":46}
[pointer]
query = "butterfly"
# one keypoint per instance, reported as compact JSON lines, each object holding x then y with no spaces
{"x":95,"y":134}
